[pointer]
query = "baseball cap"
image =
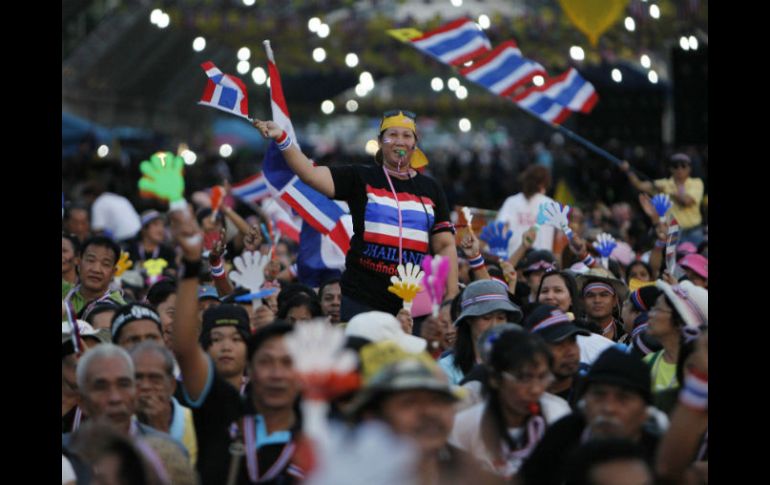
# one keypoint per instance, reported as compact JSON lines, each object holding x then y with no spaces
{"x":616,"y":367}
{"x":552,"y":324}
{"x":380,"y":326}
{"x":207,"y":292}
{"x":225,"y":314}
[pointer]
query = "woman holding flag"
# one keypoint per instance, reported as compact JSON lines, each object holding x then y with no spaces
{"x":399,"y":215}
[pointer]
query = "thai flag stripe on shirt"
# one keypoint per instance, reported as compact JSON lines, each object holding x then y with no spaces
{"x":381,"y":219}
{"x":455,"y":42}
{"x":503,"y":70}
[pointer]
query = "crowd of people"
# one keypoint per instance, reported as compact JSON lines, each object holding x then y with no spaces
{"x":541,"y":359}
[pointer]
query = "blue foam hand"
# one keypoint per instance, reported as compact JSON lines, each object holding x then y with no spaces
{"x":605,"y":244}
{"x":495,"y":235}
{"x":662,"y":203}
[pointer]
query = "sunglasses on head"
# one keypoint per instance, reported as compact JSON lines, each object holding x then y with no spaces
{"x":395,"y":112}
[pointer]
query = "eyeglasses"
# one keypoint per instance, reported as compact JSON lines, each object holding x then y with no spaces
{"x":529,"y":379}
{"x":395,"y":112}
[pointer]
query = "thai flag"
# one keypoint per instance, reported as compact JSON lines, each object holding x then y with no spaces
{"x":503,"y":70}
{"x":251,"y":189}
{"x":381,"y":219}
{"x":454,"y":43}
{"x":224,"y":92}
{"x":568,"y":89}
{"x":546,"y":109}
{"x":331,"y":219}
{"x":288,"y":224}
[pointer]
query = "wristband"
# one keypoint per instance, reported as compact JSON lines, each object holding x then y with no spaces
{"x":476,"y":262}
{"x":589,"y":260}
{"x":660,"y":244}
{"x":177,"y":205}
{"x":190,"y":269}
{"x":283,"y":141}
{"x":218,"y":270}
{"x":695,"y":392}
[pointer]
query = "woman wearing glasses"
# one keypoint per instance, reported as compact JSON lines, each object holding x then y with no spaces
{"x":686,"y":194}
{"x":399,"y":215}
{"x":503,"y":430}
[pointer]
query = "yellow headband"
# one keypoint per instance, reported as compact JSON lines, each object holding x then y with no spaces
{"x":398,"y":121}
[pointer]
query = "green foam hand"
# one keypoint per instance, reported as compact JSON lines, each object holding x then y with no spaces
{"x":162,"y":177}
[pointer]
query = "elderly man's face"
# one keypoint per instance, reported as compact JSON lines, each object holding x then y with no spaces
{"x":614,"y":411}
{"x":97,"y":267}
{"x":109,"y":391}
{"x":154,"y":383}
{"x":424,"y":416}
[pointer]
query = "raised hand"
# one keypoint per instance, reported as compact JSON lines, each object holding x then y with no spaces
{"x":407,"y":284}
{"x":320,"y":360}
{"x":162,"y":177}
{"x":604,"y":244}
{"x":495,"y":235}
{"x":662,"y":203}
{"x":123,"y":264}
{"x":249,"y":272}
{"x":557,"y":216}
{"x":470,"y":245}
{"x":268,"y":129}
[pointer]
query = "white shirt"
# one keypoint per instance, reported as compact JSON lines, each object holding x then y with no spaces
{"x":67,"y":472}
{"x":592,"y":346}
{"x":466,"y":433}
{"x":520,"y":214}
{"x":114,"y":214}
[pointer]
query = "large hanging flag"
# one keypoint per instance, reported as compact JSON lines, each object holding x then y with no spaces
{"x":503,"y":70}
{"x":454,"y":43}
{"x":224,"y":92}
{"x":329,"y":218}
{"x":568,"y":89}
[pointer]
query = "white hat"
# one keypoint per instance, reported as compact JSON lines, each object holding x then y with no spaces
{"x":690,"y":302}
{"x":86,"y":330}
{"x":380,"y":326}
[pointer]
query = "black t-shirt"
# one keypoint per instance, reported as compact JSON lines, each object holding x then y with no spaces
{"x":545,"y":466}
{"x":373,"y":255}
{"x":138,"y":255}
{"x":218,"y":407}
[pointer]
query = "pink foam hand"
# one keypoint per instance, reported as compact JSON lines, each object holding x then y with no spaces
{"x":436,"y":273}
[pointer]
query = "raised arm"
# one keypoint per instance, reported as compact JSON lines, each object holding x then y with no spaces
{"x":192,"y":360}
{"x":320,"y":178}
{"x":640,"y":185}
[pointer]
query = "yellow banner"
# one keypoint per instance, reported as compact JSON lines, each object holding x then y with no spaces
{"x":404,"y":35}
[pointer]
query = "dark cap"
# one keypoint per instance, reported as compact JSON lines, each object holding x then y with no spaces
{"x":644,"y":298}
{"x":618,"y":368}
{"x":131,"y":313}
{"x":552,"y":324}
{"x":225,"y":314}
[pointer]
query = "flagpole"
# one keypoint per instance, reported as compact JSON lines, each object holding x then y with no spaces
{"x":573,"y":136}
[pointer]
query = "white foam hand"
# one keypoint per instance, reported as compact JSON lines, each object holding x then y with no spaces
{"x":249,"y":270}
{"x":557,"y":216}
{"x":407,"y":284}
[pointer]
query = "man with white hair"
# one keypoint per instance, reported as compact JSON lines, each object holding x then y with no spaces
{"x":107,"y":387}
